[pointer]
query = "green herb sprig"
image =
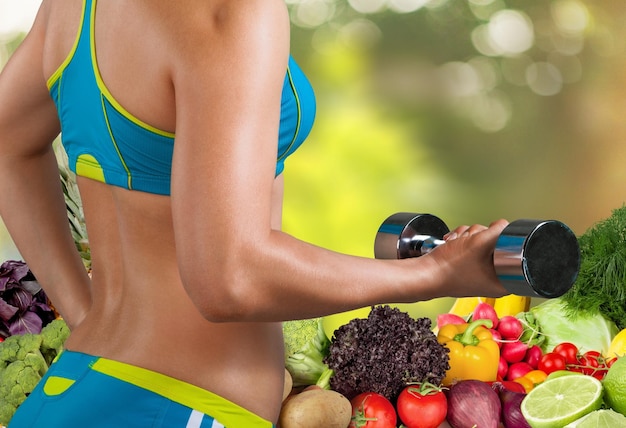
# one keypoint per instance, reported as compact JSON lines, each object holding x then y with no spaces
{"x":601,"y":283}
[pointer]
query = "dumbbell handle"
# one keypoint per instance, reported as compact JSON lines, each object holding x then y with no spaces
{"x":531,"y":257}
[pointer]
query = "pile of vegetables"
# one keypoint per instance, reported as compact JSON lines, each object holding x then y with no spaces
{"x":24,"y":359}
{"x":491,"y":363}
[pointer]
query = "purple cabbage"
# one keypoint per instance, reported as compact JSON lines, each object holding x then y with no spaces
{"x":24,"y":306}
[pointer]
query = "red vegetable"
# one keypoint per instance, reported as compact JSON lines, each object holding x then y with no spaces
{"x":372,"y":410}
{"x":484,"y":311}
{"x":472,"y":403}
{"x":592,"y":363}
{"x":444,"y":319}
{"x":513,"y":352}
{"x":568,"y":350}
{"x":510,"y":328}
{"x":533,"y":355}
{"x":497,"y":337}
{"x":512,"y":416}
{"x":422,"y":406}
{"x":517,"y":370}
{"x":503,"y":368}
{"x":551,"y":362}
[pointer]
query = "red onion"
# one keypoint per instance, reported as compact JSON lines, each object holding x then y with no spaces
{"x":511,"y":413}
{"x":472,"y":403}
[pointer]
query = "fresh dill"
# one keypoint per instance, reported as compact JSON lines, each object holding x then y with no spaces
{"x":601,"y":283}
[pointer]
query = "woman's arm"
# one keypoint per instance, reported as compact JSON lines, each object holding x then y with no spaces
{"x":31,"y":203}
{"x":234,"y":265}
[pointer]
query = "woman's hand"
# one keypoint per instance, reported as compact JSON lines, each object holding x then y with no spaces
{"x":465,"y":262}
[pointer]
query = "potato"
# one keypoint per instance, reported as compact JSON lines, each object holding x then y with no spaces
{"x":315,"y":408}
{"x":288,"y":385}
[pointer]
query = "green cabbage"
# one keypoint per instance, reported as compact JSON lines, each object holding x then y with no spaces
{"x":558,"y":323}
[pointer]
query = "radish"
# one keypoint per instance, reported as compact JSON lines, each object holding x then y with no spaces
{"x":503,"y":368}
{"x":484,"y":311}
{"x":513,"y":352}
{"x":517,"y":370}
{"x":510,"y":328}
{"x":533,"y":355}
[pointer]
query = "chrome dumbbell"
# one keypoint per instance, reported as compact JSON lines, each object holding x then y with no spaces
{"x":532,"y":257}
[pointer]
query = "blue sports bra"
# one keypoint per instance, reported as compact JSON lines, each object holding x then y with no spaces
{"x":105,"y":142}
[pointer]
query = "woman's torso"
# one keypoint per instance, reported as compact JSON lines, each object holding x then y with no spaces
{"x":141,"y":314}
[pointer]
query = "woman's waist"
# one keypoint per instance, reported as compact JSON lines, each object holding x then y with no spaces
{"x":76,"y":367}
{"x":222,"y":358}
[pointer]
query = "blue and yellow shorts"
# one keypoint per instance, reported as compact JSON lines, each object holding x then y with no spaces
{"x":84,"y":391}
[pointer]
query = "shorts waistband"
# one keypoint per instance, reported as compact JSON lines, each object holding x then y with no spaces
{"x":186,"y":394}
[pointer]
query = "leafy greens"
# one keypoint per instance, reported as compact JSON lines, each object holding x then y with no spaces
{"x":601,"y":284}
{"x":24,"y":305}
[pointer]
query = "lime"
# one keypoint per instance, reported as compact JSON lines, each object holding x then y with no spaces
{"x":604,"y":418}
{"x":615,"y":386}
{"x":559,"y":373}
{"x":559,"y":401}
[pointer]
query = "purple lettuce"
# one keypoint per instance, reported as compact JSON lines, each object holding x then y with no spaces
{"x":24,"y":305}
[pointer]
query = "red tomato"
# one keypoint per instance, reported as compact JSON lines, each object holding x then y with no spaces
{"x":372,"y":410}
{"x":551,"y":362}
{"x":592,"y":363}
{"x":568,"y":350}
{"x":423,"y":406}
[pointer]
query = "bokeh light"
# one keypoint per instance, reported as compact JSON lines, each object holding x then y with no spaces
{"x":510,"y":32}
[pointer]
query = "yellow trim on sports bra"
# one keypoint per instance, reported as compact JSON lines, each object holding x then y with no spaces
{"x":59,"y":71}
{"x":223,"y":410}
{"x":117,"y":149}
{"x":88,"y":166}
{"x":283,"y":156}
{"x":105,"y":91}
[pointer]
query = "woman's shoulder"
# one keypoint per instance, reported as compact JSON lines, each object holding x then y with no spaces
{"x":222,"y":17}
{"x":211,"y":31}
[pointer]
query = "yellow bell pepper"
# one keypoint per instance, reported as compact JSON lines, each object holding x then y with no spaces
{"x":618,"y":345}
{"x":473,"y":352}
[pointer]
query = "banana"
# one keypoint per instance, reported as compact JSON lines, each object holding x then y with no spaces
{"x":464,"y":306}
{"x":511,"y":304}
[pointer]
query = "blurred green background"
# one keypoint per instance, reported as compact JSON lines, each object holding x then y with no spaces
{"x":470,"y":110}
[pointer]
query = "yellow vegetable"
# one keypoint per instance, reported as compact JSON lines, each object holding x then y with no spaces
{"x":473,"y":352}
{"x":511,"y":304}
{"x":618,"y":345}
